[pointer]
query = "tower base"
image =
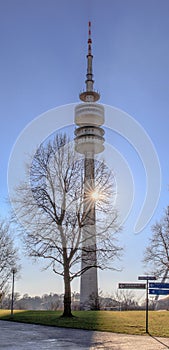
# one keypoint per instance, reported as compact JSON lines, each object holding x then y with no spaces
{"x":89,"y":290}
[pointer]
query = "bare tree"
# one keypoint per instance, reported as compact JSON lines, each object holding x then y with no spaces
{"x":8,"y":255}
{"x":156,"y":256}
{"x":125,"y":299}
{"x":50,"y":205}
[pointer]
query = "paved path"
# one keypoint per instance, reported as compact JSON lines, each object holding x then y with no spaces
{"x":20,"y":336}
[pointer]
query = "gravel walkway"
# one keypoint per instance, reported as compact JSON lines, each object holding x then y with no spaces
{"x":20,"y":336}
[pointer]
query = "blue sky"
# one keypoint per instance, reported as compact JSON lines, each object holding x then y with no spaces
{"x":43,"y":66}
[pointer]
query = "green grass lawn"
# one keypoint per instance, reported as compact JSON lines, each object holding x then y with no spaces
{"x":130,"y":322}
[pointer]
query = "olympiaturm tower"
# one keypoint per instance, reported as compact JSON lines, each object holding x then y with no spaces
{"x":89,"y":140}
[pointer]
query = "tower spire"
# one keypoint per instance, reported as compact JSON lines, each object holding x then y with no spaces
{"x":89,"y":39}
{"x":89,"y":81}
{"x":89,"y":95}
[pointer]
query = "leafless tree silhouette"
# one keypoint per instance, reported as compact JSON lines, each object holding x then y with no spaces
{"x":8,"y":255}
{"x":156,"y":256}
{"x":50,"y":205}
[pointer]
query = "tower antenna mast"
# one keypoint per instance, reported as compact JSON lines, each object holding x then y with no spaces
{"x":89,"y":95}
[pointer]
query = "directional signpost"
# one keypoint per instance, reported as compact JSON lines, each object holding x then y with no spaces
{"x":147,"y":279}
{"x":158,"y":291}
{"x":159,"y":288}
{"x":159,"y":285}
{"x":151,"y":288}
{"x":132,"y":285}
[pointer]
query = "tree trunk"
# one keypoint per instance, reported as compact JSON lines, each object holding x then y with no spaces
{"x":67,"y":295}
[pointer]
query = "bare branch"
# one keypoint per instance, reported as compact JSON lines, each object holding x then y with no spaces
{"x":156,"y":255}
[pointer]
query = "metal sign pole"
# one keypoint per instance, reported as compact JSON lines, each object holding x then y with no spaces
{"x":147,"y":307}
{"x":147,"y":279}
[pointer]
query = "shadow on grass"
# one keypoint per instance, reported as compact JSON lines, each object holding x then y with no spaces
{"x":50,"y":318}
{"x":82,"y":320}
{"x":159,"y":341}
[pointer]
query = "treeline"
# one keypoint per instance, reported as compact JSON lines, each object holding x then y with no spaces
{"x":53,"y":301}
{"x":27,"y":302}
{"x":120,"y":301}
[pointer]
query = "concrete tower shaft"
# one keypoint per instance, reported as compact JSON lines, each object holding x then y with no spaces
{"x":89,"y":140}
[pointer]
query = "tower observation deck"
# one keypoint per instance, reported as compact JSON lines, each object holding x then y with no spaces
{"x":89,"y":140}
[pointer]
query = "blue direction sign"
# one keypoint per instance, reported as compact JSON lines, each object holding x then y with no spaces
{"x":159,"y":291}
{"x":159,"y":285}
